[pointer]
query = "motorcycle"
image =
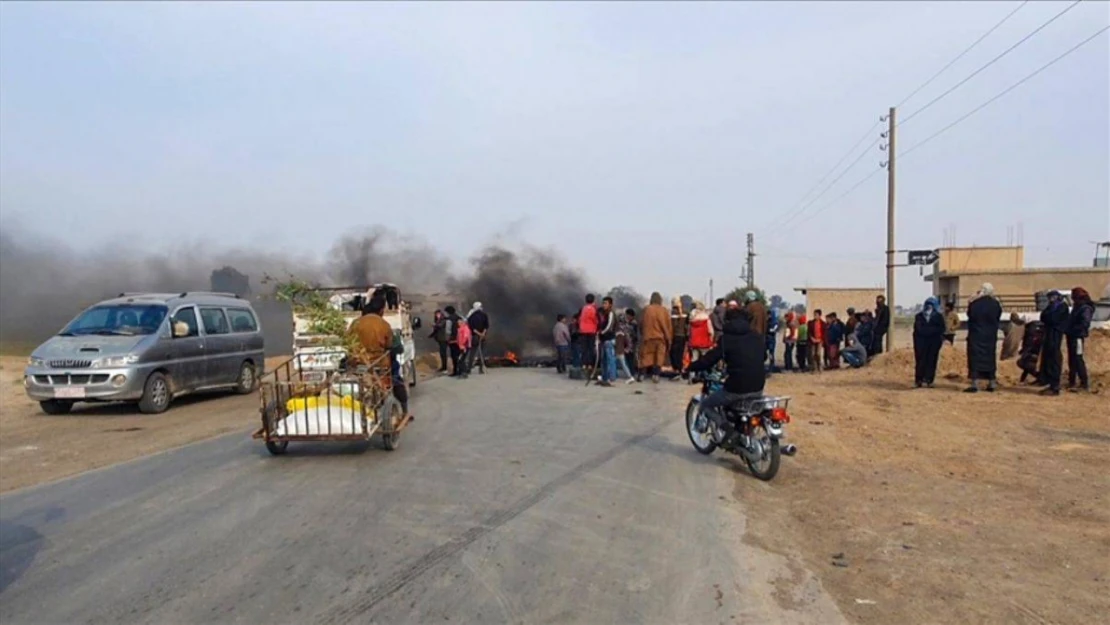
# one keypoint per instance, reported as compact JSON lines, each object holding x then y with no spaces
{"x":751,"y":428}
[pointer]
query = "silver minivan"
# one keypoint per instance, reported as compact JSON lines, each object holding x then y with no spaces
{"x":149,"y":348}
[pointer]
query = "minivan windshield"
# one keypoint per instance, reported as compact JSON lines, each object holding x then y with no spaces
{"x":117,"y":320}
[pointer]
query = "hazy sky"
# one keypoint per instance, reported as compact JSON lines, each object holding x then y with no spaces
{"x":641,"y":140}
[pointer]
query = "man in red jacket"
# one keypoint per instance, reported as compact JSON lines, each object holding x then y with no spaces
{"x":587,"y":333}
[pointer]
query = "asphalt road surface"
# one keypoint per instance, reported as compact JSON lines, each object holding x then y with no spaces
{"x":515,"y":497}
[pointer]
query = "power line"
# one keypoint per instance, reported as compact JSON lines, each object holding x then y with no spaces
{"x":961,"y":55}
{"x":846,"y":193}
{"x":991,"y":62}
{"x":1002,"y":93}
{"x":790,"y":213}
{"x":832,"y":184}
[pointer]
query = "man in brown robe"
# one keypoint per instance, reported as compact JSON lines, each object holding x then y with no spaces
{"x":656,"y":335}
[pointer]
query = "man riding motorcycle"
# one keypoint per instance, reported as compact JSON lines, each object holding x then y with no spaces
{"x":742,"y":349}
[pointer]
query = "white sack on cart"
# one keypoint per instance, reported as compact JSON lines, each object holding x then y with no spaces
{"x":317,"y":420}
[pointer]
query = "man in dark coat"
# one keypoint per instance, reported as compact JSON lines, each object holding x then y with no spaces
{"x":1079,"y":328}
{"x":984,"y":318}
{"x":741,"y":349}
{"x":1055,"y":318}
{"x":882,"y":325}
{"x":928,"y":336}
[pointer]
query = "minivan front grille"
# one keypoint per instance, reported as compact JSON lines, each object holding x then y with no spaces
{"x":62,"y":379}
{"x":70,"y":364}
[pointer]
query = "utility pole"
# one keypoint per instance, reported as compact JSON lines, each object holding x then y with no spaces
{"x":890,"y":119}
{"x":710,"y":291}
{"x":751,"y":261}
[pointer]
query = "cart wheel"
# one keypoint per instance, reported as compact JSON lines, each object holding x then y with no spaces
{"x":391,"y":409}
{"x":277,"y":448}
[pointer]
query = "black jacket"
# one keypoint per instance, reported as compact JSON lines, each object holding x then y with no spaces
{"x":478,"y":321}
{"x":606,"y":325}
{"x":1055,"y":320}
{"x":743,"y":351}
{"x":882,"y":319}
{"x":933,"y":328}
{"x":1079,"y":324}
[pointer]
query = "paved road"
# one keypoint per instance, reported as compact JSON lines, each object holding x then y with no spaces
{"x":514,"y":497}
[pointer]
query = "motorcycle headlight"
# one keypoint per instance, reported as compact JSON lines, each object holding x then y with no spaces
{"x":117,"y":361}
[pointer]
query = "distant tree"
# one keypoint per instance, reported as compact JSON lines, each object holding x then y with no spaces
{"x":799,"y":309}
{"x":778,"y":302}
{"x":626,"y":297}
{"x":739,"y":292}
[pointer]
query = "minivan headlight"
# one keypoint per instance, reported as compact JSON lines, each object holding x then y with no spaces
{"x":118,"y":361}
{"x":36,"y":362}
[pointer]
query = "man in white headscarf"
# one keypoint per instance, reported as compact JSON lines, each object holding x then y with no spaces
{"x":478,"y":321}
{"x":984,"y":318}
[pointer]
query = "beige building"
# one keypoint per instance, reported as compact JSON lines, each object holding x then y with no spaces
{"x":839,"y":300}
{"x":960,"y":272}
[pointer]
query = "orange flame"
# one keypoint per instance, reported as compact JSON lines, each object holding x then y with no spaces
{"x":511,"y":357}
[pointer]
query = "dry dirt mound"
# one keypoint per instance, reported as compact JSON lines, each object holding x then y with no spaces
{"x":953,"y":362}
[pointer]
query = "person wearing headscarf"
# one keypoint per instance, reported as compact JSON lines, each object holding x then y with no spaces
{"x":478,"y":321}
{"x":1079,"y":328}
{"x":701,"y":331}
{"x":655,"y":337}
{"x":1011,"y":342}
{"x":757,"y":313}
{"x":928,"y":336}
{"x":984,"y":318}
{"x":1055,"y":318}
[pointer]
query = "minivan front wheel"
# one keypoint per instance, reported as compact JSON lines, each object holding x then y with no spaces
{"x":248,"y":381}
{"x":156,"y":394}
{"x":56,"y":406}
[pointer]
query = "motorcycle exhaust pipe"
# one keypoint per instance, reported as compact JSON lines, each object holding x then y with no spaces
{"x":789,"y":450}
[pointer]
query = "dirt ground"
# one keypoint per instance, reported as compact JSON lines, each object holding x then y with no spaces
{"x":37,"y":448}
{"x":937,"y":506}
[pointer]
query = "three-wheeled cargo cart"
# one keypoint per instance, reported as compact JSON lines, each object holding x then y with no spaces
{"x":305,"y":405}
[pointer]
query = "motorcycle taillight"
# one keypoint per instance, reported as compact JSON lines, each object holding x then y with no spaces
{"x":779,"y":415}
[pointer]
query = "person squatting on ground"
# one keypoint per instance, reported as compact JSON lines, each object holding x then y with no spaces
{"x":1032,"y":341}
{"x":834,"y":336}
{"x":655,"y":337}
{"x":928,"y":337}
{"x":680,"y":330}
{"x":854,"y":353}
{"x":1055,"y":318}
{"x":1079,"y":328}
{"x":478,"y":321}
{"x":607,"y":338}
{"x":560,"y":335}
{"x":742,"y":351}
{"x":789,"y":340}
{"x":439,"y":335}
{"x":587,"y":333}
{"x":816,"y":333}
{"x":882,"y":325}
{"x":984,"y":317}
{"x":865,"y":331}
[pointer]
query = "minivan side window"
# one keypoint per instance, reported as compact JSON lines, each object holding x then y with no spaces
{"x":187,"y":316}
{"x":242,"y":320}
{"x":215,"y":321}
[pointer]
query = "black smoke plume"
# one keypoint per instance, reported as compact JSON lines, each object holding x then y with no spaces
{"x":522,"y":291}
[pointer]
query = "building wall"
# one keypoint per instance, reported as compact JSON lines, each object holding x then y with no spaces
{"x":1019,"y":287}
{"x":839,"y":300}
{"x":962,"y":259}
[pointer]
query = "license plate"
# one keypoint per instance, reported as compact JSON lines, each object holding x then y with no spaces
{"x":70,"y":392}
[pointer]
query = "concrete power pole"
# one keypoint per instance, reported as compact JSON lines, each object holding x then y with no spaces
{"x":751,"y":261}
{"x":891,"y":129}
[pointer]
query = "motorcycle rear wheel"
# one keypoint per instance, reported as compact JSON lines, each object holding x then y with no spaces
{"x":702,"y":442}
{"x":768,"y":465}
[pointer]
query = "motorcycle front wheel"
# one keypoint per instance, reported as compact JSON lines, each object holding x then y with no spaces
{"x":702,"y":441}
{"x":767,"y":465}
